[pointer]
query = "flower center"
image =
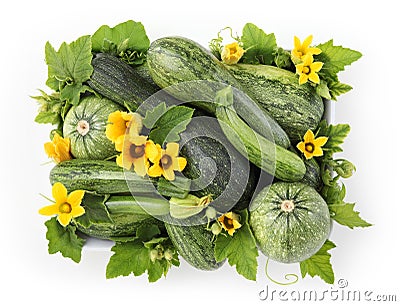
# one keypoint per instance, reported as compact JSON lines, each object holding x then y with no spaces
{"x":165,"y":161}
{"x":306,"y":70}
{"x":233,"y":51}
{"x":309,"y":147}
{"x":65,"y":208}
{"x":228,"y":223}
{"x":136,"y":151}
{"x":287,"y":205}
{"x":83,"y":127}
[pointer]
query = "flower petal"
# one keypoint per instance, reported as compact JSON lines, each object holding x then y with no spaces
{"x":301,"y":146}
{"x":318,"y":151}
{"x":138,"y":140}
{"x":308,"y":155}
{"x":75,"y":197}
{"x":313,"y":77}
{"x":172,"y":149}
{"x":139,"y":165}
{"x":179,"y":163}
{"x":119,"y":143}
{"x":299,"y":68}
{"x":303,"y":79}
{"x":309,"y":136}
{"x":307,"y":42}
{"x":153,"y":151}
{"x":77,"y":211}
{"x":64,"y":219}
{"x":314,"y":51}
{"x":320,"y":141}
{"x":49,"y":149}
{"x":231,"y":231}
{"x":236,"y":224}
{"x":316,"y":66}
{"x":59,"y":193}
{"x":297,"y":43}
{"x":155,"y":170}
{"x":169,"y":174}
{"x":49,"y":210}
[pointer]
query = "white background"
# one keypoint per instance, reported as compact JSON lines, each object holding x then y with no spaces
{"x":367,"y":258}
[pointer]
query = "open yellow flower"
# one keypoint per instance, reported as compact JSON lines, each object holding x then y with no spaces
{"x":232,"y":53}
{"x":165,"y":162}
{"x":58,"y":149}
{"x":302,"y":49}
{"x":119,"y":123}
{"x":65,"y":206}
{"x":230,"y":222}
{"x":134,"y":154}
{"x":308,"y":69}
{"x":311,"y":146}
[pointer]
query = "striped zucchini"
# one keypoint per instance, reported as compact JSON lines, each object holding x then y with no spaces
{"x":119,"y":82}
{"x":274,"y":159}
{"x":126,"y":215}
{"x":106,"y":177}
{"x":290,"y":221}
{"x":295,"y":107}
{"x":194,"y":243}
{"x":174,"y":60}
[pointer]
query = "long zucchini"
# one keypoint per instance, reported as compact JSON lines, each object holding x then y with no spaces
{"x":274,"y":159}
{"x":177,"y":60}
{"x":126,"y":215}
{"x":106,"y":177}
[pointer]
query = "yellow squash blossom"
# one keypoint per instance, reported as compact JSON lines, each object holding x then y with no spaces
{"x":302,"y":49}
{"x":58,"y":149}
{"x":308,"y":69}
{"x":232,"y":53}
{"x":230,"y":222}
{"x":134,"y":154}
{"x":118,"y":124}
{"x":311,"y":146}
{"x":65,"y":206}
{"x":165,"y":162}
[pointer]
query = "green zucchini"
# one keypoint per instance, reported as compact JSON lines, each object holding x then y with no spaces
{"x":119,"y":82}
{"x":85,"y":125}
{"x":126,"y":215}
{"x":215,"y":166}
{"x":194,"y":243}
{"x":175,"y":60}
{"x":273,"y":159}
{"x":106,"y":177}
{"x":290,"y":221}
{"x":313,"y":174}
{"x":295,"y":107}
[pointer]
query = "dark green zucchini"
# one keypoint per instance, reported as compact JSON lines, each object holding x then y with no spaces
{"x":174,"y":60}
{"x":119,"y":82}
{"x":106,"y":177}
{"x":194,"y":243}
{"x":215,"y":166}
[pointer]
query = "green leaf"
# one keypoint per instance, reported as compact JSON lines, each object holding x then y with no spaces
{"x":333,"y":194}
{"x":240,"y":249}
{"x":336,"y":135}
{"x":147,"y":232}
{"x":129,"y":35}
{"x":336,"y":89}
{"x":95,"y":210}
{"x":344,"y":214}
{"x":319,"y":264}
{"x":129,"y":257}
{"x":64,"y":240}
{"x":323,"y":90}
{"x":171,"y":124}
{"x":335,"y":58}
{"x":153,"y":115}
{"x":70,"y":66}
{"x":260,"y":47}
{"x":47,"y":117}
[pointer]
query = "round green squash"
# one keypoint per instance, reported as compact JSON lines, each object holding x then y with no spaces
{"x":85,"y":125}
{"x":290,"y":221}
